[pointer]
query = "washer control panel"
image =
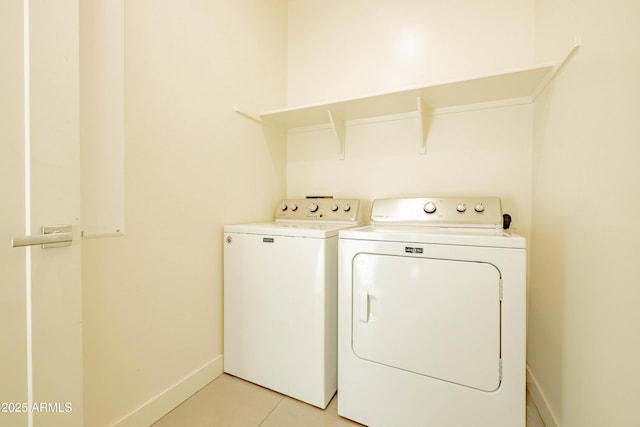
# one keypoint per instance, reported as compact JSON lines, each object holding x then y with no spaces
{"x":326,"y":209}
{"x":483,"y":212}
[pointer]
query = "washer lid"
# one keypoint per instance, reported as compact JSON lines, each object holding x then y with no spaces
{"x":313,"y":229}
{"x":485,"y":237}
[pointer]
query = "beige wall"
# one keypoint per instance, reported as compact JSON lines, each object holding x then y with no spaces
{"x":584,"y":343}
{"x":153,"y":298}
{"x":339,"y":49}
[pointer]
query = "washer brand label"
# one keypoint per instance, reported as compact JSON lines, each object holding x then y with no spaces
{"x":410,"y":250}
{"x":267,"y":239}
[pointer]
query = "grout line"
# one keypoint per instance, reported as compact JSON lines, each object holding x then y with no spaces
{"x":271,"y":412}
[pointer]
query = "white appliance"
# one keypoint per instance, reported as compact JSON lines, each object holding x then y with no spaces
{"x":281,"y":298}
{"x":432,"y":299}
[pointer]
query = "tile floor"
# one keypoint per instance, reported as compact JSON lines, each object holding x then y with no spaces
{"x":231,"y":402}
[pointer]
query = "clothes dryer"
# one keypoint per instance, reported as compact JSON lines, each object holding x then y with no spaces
{"x":432,"y":301}
{"x":280,"y":298}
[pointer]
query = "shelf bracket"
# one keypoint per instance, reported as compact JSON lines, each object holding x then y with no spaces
{"x":248,"y":115}
{"x":424,"y":122}
{"x":339,"y":130}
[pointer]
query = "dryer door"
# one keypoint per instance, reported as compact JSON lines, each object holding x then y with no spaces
{"x":434,"y":317}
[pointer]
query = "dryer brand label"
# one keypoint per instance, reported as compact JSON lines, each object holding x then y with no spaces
{"x":267,"y":239}
{"x":410,"y":250}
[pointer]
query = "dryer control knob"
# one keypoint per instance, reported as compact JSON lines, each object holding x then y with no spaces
{"x":313,"y":207}
{"x":294,"y":207}
{"x":430,"y":207}
{"x":461,"y":207}
{"x":334,"y":208}
{"x":347,"y":207}
{"x":283,"y":207}
{"x":479,"y":207}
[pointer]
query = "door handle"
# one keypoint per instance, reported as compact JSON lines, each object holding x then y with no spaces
{"x":364,"y":306}
{"x":53,"y":236}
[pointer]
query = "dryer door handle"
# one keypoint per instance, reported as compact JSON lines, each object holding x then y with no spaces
{"x":364,"y":306}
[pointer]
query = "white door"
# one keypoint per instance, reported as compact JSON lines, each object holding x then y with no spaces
{"x":433,"y":317}
{"x":40,"y":306}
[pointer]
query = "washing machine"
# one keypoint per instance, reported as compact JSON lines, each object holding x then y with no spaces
{"x":281,"y":298}
{"x":432,"y":316}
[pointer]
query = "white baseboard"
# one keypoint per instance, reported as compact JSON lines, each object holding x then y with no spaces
{"x":540,"y":401}
{"x":159,"y":405}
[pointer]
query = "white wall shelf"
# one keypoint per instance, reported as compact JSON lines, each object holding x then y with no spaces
{"x":494,"y":89}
